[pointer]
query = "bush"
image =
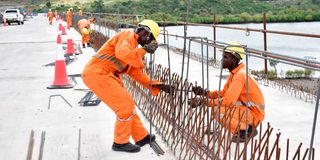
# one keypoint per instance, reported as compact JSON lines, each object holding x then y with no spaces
{"x":309,"y":17}
{"x":260,"y":73}
{"x":246,"y":17}
{"x":307,"y":73}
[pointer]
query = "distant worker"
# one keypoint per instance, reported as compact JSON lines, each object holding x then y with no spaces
{"x":234,"y":95}
{"x":84,"y":27}
{"x":50,"y":16}
{"x":80,"y":11}
{"x":102,"y":74}
{"x":56,"y":14}
{"x":69,"y":16}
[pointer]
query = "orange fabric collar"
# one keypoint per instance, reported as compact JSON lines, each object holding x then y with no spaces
{"x":241,"y":66}
{"x":136,"y":36}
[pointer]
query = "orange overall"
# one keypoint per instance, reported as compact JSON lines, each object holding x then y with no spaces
{"x":117,"y":56}
{"x":234,"y":95}
{"x":81,"y":24}
{"x":50,"y":17}
{"x":69,"y":18}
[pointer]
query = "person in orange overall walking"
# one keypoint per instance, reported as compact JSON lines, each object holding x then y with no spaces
{"x":234,"y":95}
{"x":102,"y":74}
{"x":84,"y":27}
{"x":50,"y":16}
{"x":69,"y":16}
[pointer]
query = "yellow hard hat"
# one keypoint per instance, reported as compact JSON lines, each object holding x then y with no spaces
{"x":235,"y":49}
{"x":153,"y":26}
{"x":85,"y":31}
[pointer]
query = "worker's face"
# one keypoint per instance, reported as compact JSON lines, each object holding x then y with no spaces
{"x":145,"y":37}
{"x":228,"y":60}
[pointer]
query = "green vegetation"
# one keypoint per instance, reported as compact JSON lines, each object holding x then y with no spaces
{"x":271,"y":74}
{"x":202,"y":11}
{"x":291,"y":74}
{"x":307,"y":73}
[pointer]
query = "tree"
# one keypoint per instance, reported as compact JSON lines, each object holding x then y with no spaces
{"x":97,"y":6}
{"x":273,"y":63}
{"x":48,"y":4}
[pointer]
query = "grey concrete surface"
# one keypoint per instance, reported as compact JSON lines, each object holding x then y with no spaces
{"x":24,"y":49}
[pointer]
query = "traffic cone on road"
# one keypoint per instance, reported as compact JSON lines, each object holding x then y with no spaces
{"x":59,"y":39}
{"x":70,"y":48}
{"x":63,"y":31}
{"x":4,"y":22}
{"x":61,"y":80}
{"x":60,"y":26}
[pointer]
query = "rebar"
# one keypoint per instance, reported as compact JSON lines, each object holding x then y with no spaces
{"x":187,"y":130}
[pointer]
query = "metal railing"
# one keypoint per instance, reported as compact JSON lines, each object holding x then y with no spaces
{"x":193,"y":133}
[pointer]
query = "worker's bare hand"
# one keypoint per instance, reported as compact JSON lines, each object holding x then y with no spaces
{"x":151,"y":47}
{"x":199,"y":91}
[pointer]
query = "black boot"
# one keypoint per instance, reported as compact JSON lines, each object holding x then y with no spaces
{"x":146,"y":140}
{"x":83,"y":45}
{"x":127,"y":147}
{"x":241,"y":136}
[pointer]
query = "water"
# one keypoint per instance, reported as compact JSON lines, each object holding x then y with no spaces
{"x":283,"y":44}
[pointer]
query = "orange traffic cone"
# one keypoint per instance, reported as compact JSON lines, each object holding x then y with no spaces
{"x":59,"y":39}
{"x":63,"y":31}
{"x":61,"y":80}
{"x":70,"y":48}
{"x":60,"y":26}
{"x":4,"y":22}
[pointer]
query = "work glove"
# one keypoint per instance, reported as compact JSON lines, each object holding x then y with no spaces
{"x":166,"y":87}
{"x":199,"y":91}
{"x":151,"y":47}
{"x":196,"y":102}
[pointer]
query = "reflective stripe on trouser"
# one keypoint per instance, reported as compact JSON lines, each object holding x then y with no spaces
{"x":112,"y":59}
{"x":230,"y":118}
{"x":250,"y":104}
{"x":85,"y":38}
{"x":111,"y":91}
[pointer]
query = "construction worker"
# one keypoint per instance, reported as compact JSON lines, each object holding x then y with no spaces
{"x":234,"y":95}
{"x":50,"y":16}
{"x":84,"y":27}
{"x":102,"y":74}
{"x":80,"y":11}
{"x":56,"y":14}
{"x":69,"y":16}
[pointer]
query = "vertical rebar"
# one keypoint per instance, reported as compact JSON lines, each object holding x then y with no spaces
{"x":218,"y":107}
{"x":43,"y":138}
{"x":247,"y":99}
{"x":265,"y":42}
{"x":150,"y":93}
{"x":315,"y":117}
{"x":209,"y":109}
{"x":214,"y":38}
{"x":79,"y":144}
{"x":30,"y":146}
